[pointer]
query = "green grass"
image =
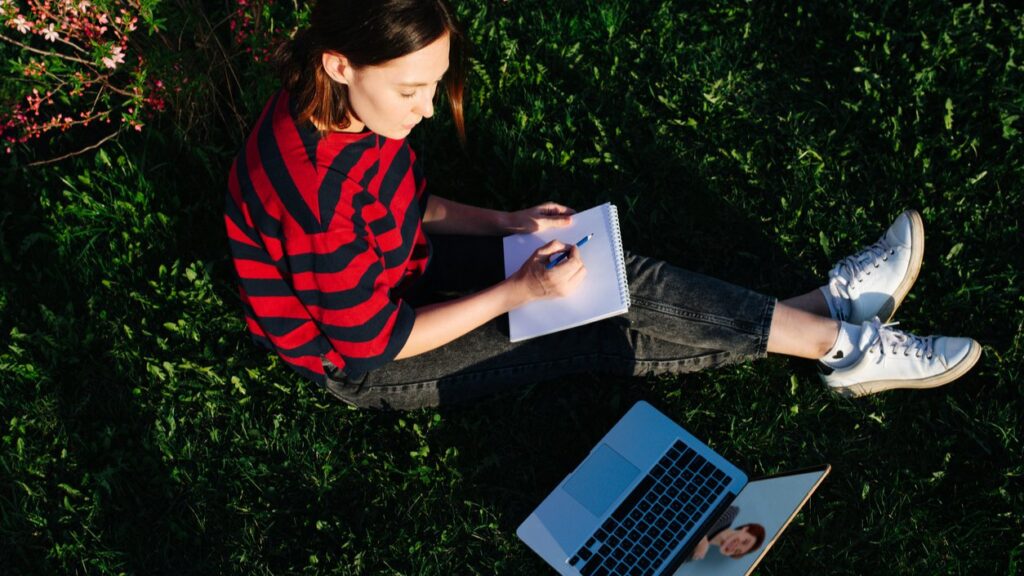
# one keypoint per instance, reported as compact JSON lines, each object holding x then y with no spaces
{"x":142,"y":433}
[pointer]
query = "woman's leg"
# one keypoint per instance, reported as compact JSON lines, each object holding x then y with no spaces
{"x":872,"y":282}
{"x":812,"y":302}
{"x":841,"y":323}
{"x":797,"y":332}
{"x":864,"y":290}
{"x":683,"y":322}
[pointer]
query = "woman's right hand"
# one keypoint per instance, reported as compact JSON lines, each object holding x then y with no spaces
{"x":537,"y":282}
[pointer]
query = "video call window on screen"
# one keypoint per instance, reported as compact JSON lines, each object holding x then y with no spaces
{"x":741,"y":536}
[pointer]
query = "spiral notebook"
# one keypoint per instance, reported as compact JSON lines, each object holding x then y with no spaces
{"x":602,"y":294}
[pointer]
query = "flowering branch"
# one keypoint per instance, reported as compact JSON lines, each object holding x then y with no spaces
{"x":72,"y":45}
{"x":77,"y":64}
{"x":103,"y":141}
{"x":77,"y":54}
{"x":28,"y":48}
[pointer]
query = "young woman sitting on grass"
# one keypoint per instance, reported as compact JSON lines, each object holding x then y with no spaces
{"x":347,"y":264}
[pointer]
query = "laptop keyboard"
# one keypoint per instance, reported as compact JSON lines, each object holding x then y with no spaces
{"x":654,"y":518}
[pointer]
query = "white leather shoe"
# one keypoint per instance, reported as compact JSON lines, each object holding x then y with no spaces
{"x":874,"y":281}
{"x":890,"y":358}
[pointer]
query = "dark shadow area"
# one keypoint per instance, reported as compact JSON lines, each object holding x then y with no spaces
{"x":123,"y":504}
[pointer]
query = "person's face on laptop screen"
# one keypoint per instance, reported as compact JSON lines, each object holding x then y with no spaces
{"x":740,"y":541}
{"x":740,"y":537}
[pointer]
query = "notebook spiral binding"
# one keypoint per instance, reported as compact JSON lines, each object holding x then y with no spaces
{"x":613,"y":221}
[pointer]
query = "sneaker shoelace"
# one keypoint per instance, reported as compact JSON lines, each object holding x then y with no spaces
{"x":853,"y":269}
{"x":891,"y":341}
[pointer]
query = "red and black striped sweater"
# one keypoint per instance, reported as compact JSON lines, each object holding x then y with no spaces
{"x":326,"y":236}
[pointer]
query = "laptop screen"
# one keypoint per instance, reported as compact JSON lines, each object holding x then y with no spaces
{"x":739,"y":539}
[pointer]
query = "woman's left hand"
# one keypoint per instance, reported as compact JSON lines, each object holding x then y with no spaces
{"x":538,"y":218}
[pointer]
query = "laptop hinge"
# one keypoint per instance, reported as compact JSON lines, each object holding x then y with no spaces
{"x":673,"y":563}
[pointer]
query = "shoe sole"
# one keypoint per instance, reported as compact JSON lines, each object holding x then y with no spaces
{"x":916,"y":257}
{"x":961,"y":368}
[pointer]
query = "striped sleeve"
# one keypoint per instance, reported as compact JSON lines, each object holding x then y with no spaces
{"x":340,"y":279}
{"x":724,"y":521}
{"x":274,"y":315}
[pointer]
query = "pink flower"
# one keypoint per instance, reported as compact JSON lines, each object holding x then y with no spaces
{"x":21,"y":24}
{"x":84,"y":5}
{"x":116,"y":57}
{"x":50,"y":34}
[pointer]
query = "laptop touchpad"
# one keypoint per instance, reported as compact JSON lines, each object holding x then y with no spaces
{"x":602,"y":477}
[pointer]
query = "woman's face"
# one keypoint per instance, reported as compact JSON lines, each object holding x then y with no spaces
{"x":738,"y":543}
{"x":393,"y":97}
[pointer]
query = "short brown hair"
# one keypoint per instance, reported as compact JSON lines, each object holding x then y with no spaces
{"x":367,"y":32}
{"x":755,"y":530}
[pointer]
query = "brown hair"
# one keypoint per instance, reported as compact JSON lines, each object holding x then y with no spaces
{"x":367,"y":32}
{"x":755,"y":530}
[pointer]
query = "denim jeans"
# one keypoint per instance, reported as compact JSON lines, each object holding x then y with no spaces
{"x":679,"y":321}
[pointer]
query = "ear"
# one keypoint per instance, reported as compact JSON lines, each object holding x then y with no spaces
{"x":337,"y":67}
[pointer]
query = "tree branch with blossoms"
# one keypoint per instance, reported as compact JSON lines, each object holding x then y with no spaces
{"x":83,"y":63}
{"x":74,"y":68}
{"x":28,"y":48}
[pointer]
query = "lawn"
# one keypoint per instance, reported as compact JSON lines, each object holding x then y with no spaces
{"x":141,"y":431}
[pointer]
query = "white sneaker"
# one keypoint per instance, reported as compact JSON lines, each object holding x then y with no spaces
{"x":890,"y":359}
{"x":874,"y":281}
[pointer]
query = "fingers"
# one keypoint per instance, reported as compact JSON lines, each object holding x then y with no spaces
{"x":577,"y":278}
{"x":555,"y":214}
{"x":568,"y":274}
{"x":558,"y":256}
{"x":571,"y":263}
{"x":554,"y":209}
{"x":558,"y":280}
{"x":574,"y":254}
{"x":551,"y":248}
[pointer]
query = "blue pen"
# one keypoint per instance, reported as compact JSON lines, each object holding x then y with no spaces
{"x":563,"y":255}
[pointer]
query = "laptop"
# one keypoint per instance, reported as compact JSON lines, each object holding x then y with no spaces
{"x":651,"y":499}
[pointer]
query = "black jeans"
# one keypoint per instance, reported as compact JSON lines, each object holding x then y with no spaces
{"x":679,"y":321}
